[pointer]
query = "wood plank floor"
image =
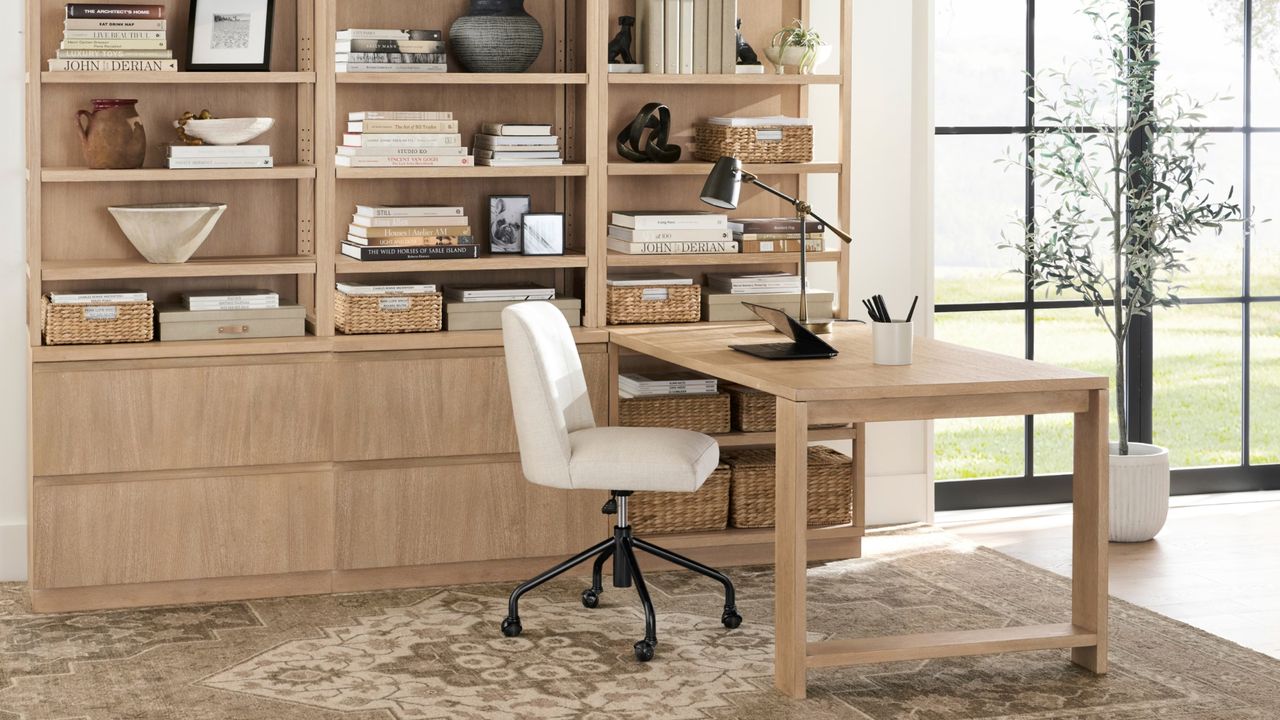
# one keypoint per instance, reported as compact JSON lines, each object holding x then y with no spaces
{"x":1216,"y":564}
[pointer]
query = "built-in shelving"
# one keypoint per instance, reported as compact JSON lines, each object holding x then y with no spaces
{"x":195,"y":267}
{"x":460,"y":78}
{"x":350,"y":266}
{"x":448,"y":339}
{"x":178,"y":78}
{"x":181,"y":349}
{"x":616,"y":259}
{"x":481,"y":171}
{"x":86,"y":175}
{"x":767,"y":78}
{"x":703,"y":168}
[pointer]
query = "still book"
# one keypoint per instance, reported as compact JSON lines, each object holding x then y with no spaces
{"x":399,"y":115}
{"x":113,"y":34}
{"x":515,"y":129}
{"x":182,"y":163}
{"x":425,"y":252}
{"x":110,"y":65}
{"x":696,"y":247}
{"x":112,"y":24}
{"x":97,"y":11}
{"x":410,"y":211}
{"x":403,"y":161}
{"x":510,"y":162}
{"x":404,"y":151}
{"x":350,"y":67}
{"x":673,"y":220}
{"x":666,"y":235}
{"x":390,"y":58}
{"x":780,"y":246}
{"x":773,"y":225}
{"x":363,"y":231}
{"x":114,"y":54}
{"x":377,"y":45}
{"x":387,"y":221}
{"x":385,"y":34}
{"x":92,"y":44}
{"x":217,"y":151}
{"x":414,"y":240}
{"x":495,"y":142}
{"x":402,"y":140}
{"x":92,"y":298}
{"x":362,"y":289}
{"x":407,"y":127}
{"x":516,"y":154}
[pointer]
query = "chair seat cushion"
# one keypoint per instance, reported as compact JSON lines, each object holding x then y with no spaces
{"x":641,"y":458}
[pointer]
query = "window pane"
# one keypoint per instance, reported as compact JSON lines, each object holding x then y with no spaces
{"x":980,"y":447}
{"x":1197,"y":377}
{"x":1065,"y":43}
{"x":1264,"y":255}
{"x":1266,"y":63}
{"x":977,"y":198}
{"x":1074,"y":338}
{"x":1264,"y":383}
{"x":1215,"y":261}
{"x":979,"y":62}
{"x":1201,"y":51}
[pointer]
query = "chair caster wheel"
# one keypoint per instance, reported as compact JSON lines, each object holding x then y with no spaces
{"x":590,"y":598}
{"x":511,"y":627}
{"x":644,"y":651}
{"x":731,"y":619}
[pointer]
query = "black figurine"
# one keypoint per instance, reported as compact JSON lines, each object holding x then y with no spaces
{"x":620,"y":45}
{"x":746,"y":56}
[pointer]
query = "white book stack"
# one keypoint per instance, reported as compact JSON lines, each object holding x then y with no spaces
{"x":231,"y":300}
{"x":516,"y":145}
{"x":766,"y":283}
{"x":196,"y":157}
{"x":351,"y":288}
{"x":376,"y":139}
{"x":633,"y":385}
{"x":409,"y":232}
{"x":376,"y":50}
{"x":108,"y":297}
{"x":102,"y":37}
{"x":504,"y":293}
{"x":670,"y":233}
{"x":684,"y":37}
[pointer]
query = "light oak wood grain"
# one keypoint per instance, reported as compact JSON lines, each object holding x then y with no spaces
{"x":1089,"y":496}
{"x":180,"y":592}
{"x":791,"y":491}
{"x":948,"y":644}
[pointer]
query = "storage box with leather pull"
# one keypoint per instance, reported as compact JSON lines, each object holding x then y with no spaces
{"x":488,"y":315}
{"x":720,"y":306}
{"x":177,"y":323}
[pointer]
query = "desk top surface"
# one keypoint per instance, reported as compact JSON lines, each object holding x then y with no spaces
{"x":939,"y":369}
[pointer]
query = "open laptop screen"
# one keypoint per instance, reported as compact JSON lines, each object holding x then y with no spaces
{"x":774,"y":317}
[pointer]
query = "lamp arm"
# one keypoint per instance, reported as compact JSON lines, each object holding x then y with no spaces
{"x":797,"y":203}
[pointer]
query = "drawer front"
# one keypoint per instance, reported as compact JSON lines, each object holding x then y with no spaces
{"x":405,"y":405}
{"x":188,"y":415}
{"x":457,"y":513}
{"x":181,"y":529}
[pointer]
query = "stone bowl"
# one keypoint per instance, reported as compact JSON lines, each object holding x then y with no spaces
{"x":167,"y":232}
{"x":227,"y":131}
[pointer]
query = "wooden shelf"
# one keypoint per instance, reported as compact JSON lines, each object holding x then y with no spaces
{"x":444,"y":340}
{"x":178,"y":78}
{"x":760,"y":439}
{"x":483,"y":171}
{"x":196,"y":267}
{"x":351,"y":266}
{"x":766,"y":78}
{"x":703,"y":168}
{"x":461,"y":78}
{"x":182,"y":349}
{"x":616,"y":259}
{"x":77,"y":174}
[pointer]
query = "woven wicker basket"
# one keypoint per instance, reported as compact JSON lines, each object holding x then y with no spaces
{"x":680,"y":303}
{"x":751,"y":410}
{"x":669,"y":512}
{"x":700,"y":413}
{"x":362,"y":314}
{"x":715,"y":141}
{"x":96,"y":324}
{"x":751,"y":495}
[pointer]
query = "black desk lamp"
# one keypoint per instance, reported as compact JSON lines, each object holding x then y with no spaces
{"x":722,"y":189}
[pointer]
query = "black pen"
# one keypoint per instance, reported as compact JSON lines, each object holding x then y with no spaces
{"x":912,"y":312}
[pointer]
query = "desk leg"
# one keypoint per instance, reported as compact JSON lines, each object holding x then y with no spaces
{"x":1089,"y":495}
{"x":790,"y":550}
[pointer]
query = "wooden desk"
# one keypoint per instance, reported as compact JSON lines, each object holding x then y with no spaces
{"x":945,"y":381}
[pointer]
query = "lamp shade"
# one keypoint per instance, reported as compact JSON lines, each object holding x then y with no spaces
{"x":724,"y":184}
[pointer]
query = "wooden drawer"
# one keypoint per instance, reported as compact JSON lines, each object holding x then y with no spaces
{"x":112,"y":533}
{"x":160,"y":415}
{"x":436,"y":404}
{"x":456,"y":513}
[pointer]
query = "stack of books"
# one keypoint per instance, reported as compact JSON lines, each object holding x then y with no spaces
{"x":773,"y":283}
{"x":351,"y":288}
{"x":109,"y":297}
{"x":633,"y":385}
{"x":765,"y":235}
{"x":409,"y":232}
{"x":100,"y":37}
{"x":686,"y":37}
{"x":516,"y":144}
{"x":231,"y":314}
{"x":191,"y":157}
{"x":722,"y":300}
{"x":231,"y":300}
{"x":504,"y":293}
{"x":377,"y":50}
{"x":402,"y":139}
{"x":670,"y":233}
{"x":475,"y":307}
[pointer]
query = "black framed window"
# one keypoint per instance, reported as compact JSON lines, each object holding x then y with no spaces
{"x":1204,"y":378}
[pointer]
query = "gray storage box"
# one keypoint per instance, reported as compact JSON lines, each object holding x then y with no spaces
{"x":178,"y":323}
{"x":720,"y":306}
{"x":488,"y":315}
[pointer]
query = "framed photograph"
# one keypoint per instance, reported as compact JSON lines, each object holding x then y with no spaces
{"x":231,"y":35}
{"x":505,"y":230}
{"x":543,"y":234}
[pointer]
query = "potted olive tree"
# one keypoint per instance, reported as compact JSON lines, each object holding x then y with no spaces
{"x":1120,"y":170}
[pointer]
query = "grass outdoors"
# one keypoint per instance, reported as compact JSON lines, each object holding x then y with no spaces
{"x":1198,"y":382}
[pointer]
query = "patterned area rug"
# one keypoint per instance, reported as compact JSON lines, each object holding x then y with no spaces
{"x":437,"y":653}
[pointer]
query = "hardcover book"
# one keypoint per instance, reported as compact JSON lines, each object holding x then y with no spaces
{"x":351,"y":288}
{"x":218,"y":151}
{"x":402,"y":126}
{"x":425,"y":252}
{"x":509,"y":162}
{"x":373,"y":45}
{"x":515,"y":142}
{"x":113,"y":65}
{"x":95,"y":11}
{"x":349,"y":59}
{"x":113,"y":34}
{"x":362,"y":231}
{"x":408,"y":210}
{"x":385,"y":34}
{"x":219,"y":163}
{"x":403,"y":161}
{"x":350,"y":67}
{"x":409,"y":240}
{"x":674,"y":220}
{"x":515,"y":129}
{"x":409,"y":221}
{"x":675,"y":247}
{"x":671,"y":37}
{"x":700,"y":36}
{"x":666,"y":234}
{"x":115,"y":55}
{"x":715,"y":36}
{"x":402,"y":140}
{"x":728,"y":36}
{"x":398,"y":115}
{"x":687,"y":43}
{"x":112,"y":24}
{"x":773,"y":225}
{"x":59,"y":298}
{"x":654,"y":44}
{"x":385,"y":151}
{"x":92,"y":44}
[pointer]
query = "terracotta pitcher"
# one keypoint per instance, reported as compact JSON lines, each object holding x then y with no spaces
{"x":112,"y":136}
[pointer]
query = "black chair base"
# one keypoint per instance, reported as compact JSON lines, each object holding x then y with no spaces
{"x":626,"y":572}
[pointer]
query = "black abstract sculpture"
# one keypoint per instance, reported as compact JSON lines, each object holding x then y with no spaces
{"x":746,"y":56}
{"x":634,"y":146}
{"x":620,"y":45}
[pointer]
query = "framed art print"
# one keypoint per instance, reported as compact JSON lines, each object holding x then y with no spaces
{"x":543,"y":234}
{"x":230,"y":35}
{"x":505,"y":229}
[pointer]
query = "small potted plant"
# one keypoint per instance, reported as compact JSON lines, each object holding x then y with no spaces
{"x":798,"y":47}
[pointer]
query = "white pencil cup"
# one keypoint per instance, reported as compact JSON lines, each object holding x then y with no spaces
{"x":891,"y":342}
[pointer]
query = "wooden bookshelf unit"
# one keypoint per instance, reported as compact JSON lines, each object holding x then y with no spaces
{"x":167,"y":472}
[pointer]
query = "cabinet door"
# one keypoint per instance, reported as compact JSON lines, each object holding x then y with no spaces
{"x":181,"y":528}
{"x":130,"y":416}
{"x":456,"y":513}
{"x":421,"y":405}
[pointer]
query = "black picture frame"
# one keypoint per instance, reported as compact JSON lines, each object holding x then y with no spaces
{"x":194,"y":9}
{"x":507,"y":230}
{"x":543,"y":234}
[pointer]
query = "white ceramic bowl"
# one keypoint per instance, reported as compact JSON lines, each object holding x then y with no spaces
{"x":792,"y":56}
{"x":167,"y":232}
{"x":227,"y":131}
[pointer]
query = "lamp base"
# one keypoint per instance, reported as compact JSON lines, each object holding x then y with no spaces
{"x":819,"y":328}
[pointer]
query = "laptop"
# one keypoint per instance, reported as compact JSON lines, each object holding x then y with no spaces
{"x":804,"y":345}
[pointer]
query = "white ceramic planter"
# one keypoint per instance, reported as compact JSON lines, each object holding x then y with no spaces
{"x":1139,"y":492}
{"x":794,"y":57}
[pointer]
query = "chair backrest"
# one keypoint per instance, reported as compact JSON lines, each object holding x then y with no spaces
{"x":548,"y":390}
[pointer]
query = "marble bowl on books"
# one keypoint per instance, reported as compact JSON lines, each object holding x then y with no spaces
{"x":167,"y":232}
{"x":227,"y":131}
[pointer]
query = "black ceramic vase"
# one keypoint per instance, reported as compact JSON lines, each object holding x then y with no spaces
{"x":496,"y":36}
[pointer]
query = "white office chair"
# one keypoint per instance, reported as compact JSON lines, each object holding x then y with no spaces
{"x":561,"y":447}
